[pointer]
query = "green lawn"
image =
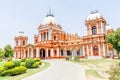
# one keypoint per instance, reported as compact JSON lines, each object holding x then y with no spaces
{"x":1,"y":63}
{"x":28,"y":73}
{"x":93,"y":73}
{"x":95,"y":66}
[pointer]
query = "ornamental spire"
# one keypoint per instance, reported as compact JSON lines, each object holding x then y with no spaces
{"x":50,"y":14}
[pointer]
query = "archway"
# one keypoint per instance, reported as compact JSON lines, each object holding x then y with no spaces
{"x":95,"y":51}
{"x":78,"y":52}
{"x":69,"y":53}
{"x":42,"y":53}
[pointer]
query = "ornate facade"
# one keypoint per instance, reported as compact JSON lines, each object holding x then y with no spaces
{"x":52,"y":42}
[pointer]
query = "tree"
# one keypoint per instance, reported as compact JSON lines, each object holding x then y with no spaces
{"x":114,"y":39}
{"x":2,"y":52}
{"x":8,"y":51}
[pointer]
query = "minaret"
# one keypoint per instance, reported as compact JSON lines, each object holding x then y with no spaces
{"x":94,"y":41}
{"x":20,"y":44}
{"x":95,"y":23}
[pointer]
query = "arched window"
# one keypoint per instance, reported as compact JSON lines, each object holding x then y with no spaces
{"x":94,"y":30}
{"x":54,"y":37}
{"x":44,"y":36}
{"x":23,"y":42}
{"x":62,"y":52}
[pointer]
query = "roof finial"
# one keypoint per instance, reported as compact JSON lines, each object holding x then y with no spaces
{"x":50,"y":14}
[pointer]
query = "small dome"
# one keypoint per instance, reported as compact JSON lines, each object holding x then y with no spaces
{"x":94,"y":14}
{"x":21,"y":34}
{"x":49,"y":19}
{"x":108,"y":27}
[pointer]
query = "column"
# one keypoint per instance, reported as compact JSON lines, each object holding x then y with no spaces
{"x":51,"y":52}
{"x":103,"y":49}
{"x":24,"y":54}
{"x":97,"y":29}
{"x":31,"y":53}
{"x":64,"y":53}
{"x":46,"y":53}
{"x":102,"y":27}
{"x":83,"y":50}
{"x":87,"y":50}
{"x":46,"y":35}
{"x":39,"y":36}
{"x":99,"y":48}
{"x":37,"y":52}
{"x":58,"y":52}
{"x":91,"y":50}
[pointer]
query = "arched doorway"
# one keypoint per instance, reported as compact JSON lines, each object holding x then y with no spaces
{"x":42,"y":53}
{"x":95,"y":51}
{"x":69,"y":53}
{"x":78,"y":52}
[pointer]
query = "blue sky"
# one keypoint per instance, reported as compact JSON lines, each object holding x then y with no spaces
{"x":27,"y":15}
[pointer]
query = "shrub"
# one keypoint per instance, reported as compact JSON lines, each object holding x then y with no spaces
{"x":17,"y":63}
{"x":19,"y":70}
{"x":76,"y":59}
{"x":35,"y":65}
{"x":10,"y":59}
{"x":29,"y":63}
{"x":6,"y":73}
{"x":23,"y":59}
{"x":14,"y":71}
{"x":1,"y":69}
{"x":114,"y":72}
{"x":8,"y":65}
{"x":68,"y":58}
{"x":37,"y":59}
{"x":0,"y":60}
{"x":40,"y":62}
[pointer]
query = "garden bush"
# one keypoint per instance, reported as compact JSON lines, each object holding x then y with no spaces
{"x":29,"y":63}
{"x":9,"y":65}
{"x":14,"y":71}
{"x":10,"y":59}
{"x":17,"y":63}
{"x":1,"y":69}
{"x":19,"y":70}
{"x":76,"y":59}
{"x":6,"y":72}
{"x":23,"y":59}
{"x":37,"y":59}
{"x":35,"y":65}
{"x":68,"y":58}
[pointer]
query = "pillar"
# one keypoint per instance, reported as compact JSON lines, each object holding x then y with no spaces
{"x":83,"y":50}
{"x":58,"y":52}
{"x":99,"y":48}
{"x":103,"y":49}
{"x":51,"y":52}
{"x":91,"y":50}
{"x":87,"y":50}
{"x":37,"y":52}
{"x":46,"y":53}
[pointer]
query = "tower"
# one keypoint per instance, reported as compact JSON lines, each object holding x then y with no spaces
{"x":94,"y":41}
{"x":20,"y":44}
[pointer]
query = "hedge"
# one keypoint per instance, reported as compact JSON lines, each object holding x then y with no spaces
{"x":9,"y":65}
{"x":17,"y":63}
{"x":14,"y":71}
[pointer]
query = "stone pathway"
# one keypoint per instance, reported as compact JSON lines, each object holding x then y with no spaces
{"x":60,"y":70}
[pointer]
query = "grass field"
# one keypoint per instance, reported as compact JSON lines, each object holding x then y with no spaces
{"x":97,"y":67}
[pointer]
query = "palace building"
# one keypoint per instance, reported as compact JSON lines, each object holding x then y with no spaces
{"x":52,"y":42}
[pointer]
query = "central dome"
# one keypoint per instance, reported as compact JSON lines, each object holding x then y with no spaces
{"x":94,"y":14}
{"x":49,"y":19}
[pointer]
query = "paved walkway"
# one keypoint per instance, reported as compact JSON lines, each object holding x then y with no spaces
{"x":60,"y":70}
